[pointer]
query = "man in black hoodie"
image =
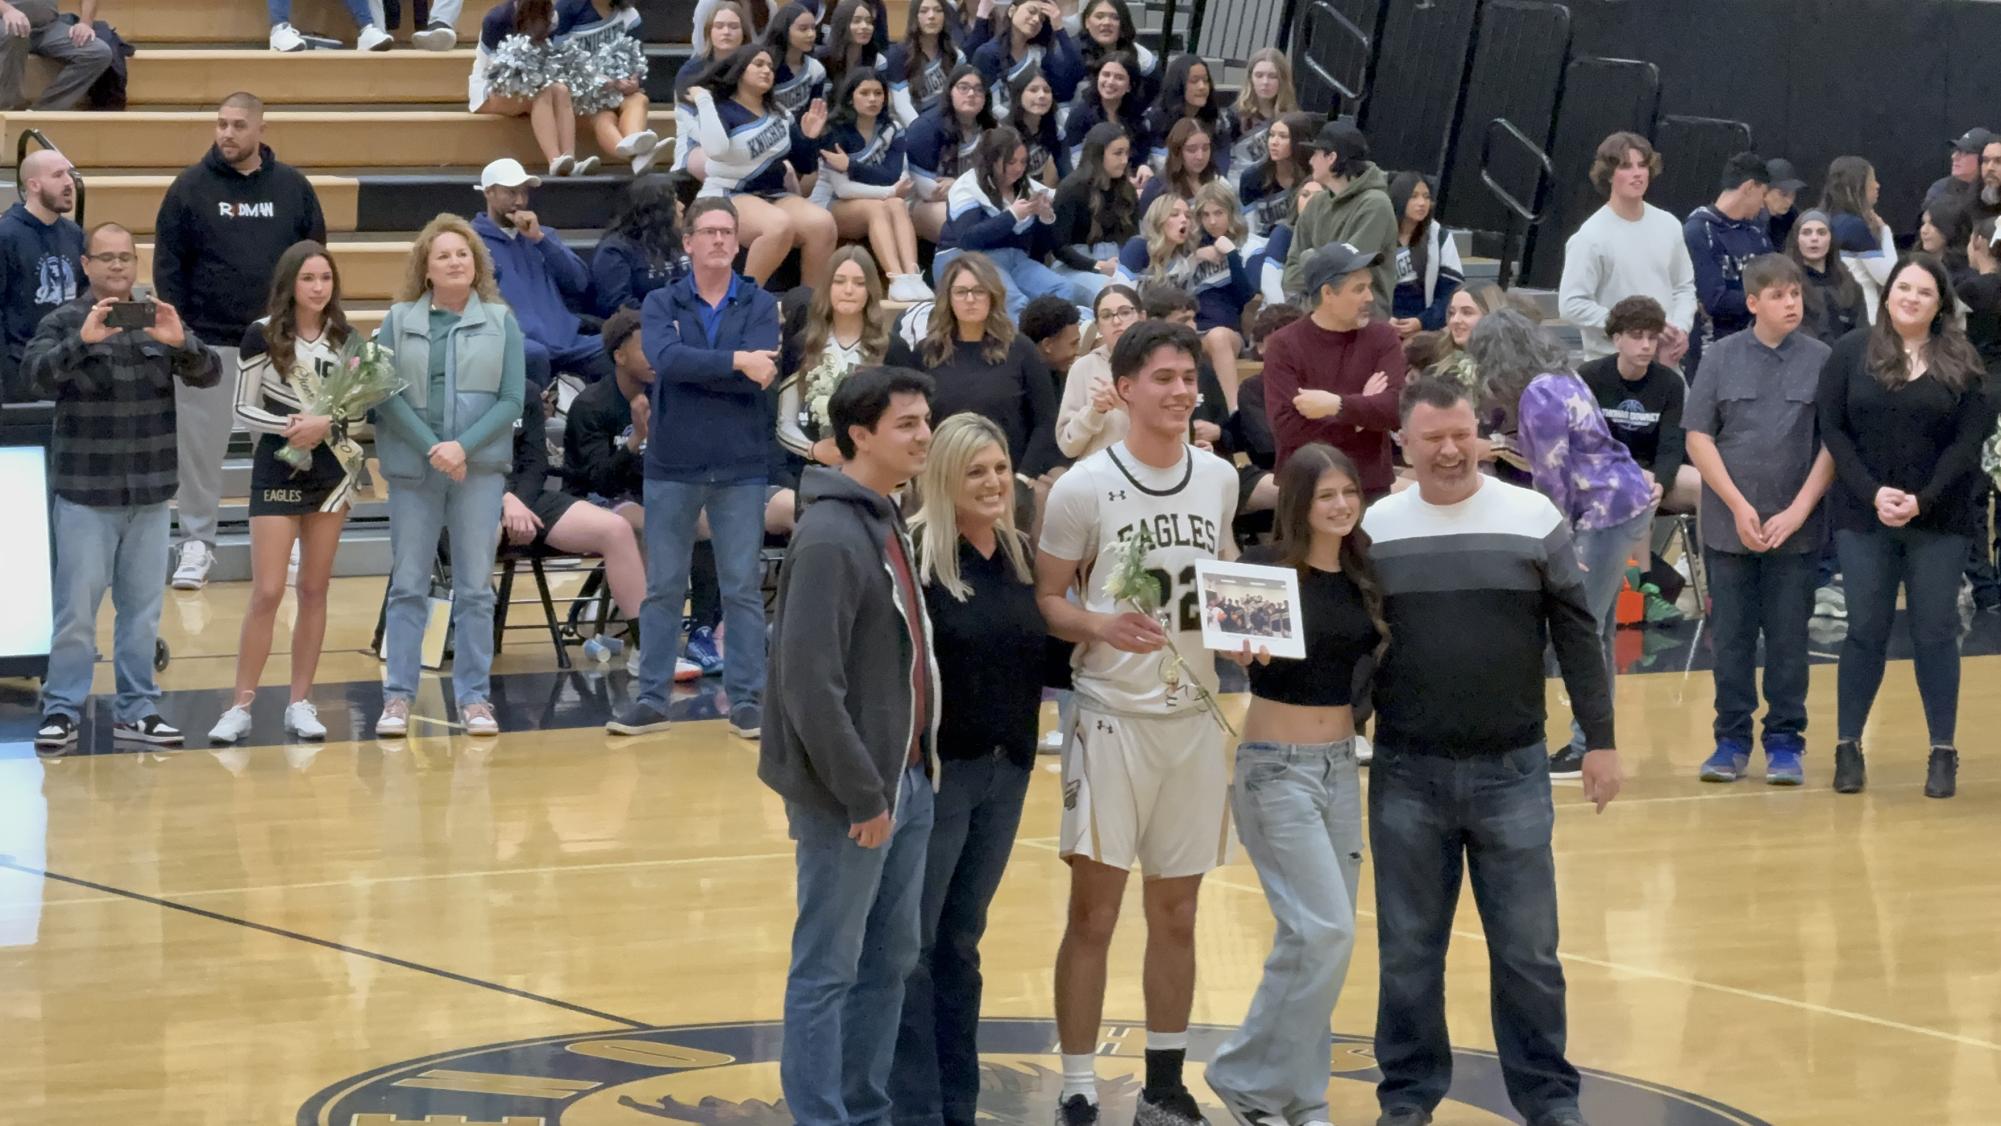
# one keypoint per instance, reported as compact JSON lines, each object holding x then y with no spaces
{"x":850,"y":743}
{"x":41,"y":254}
{"x":221,"y":229}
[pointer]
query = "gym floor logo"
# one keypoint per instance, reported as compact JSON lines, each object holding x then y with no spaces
{"x":727,"y":1075}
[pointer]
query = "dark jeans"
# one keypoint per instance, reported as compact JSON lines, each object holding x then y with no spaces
{"x":937,"y":1074}
{"x":1432,"y":817}
{"x":1772,"y":594}
{"x":1927,"y":565}
{"x":585,"y":357}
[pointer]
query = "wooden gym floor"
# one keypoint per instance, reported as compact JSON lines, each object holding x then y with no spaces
{"x":559,"y":927}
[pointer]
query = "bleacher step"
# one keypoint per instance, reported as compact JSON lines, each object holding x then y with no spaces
{"x":364,"y":552}
{"x":232,"y":21}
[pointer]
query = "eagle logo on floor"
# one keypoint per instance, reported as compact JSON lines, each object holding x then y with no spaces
{"x":727,"y":1075}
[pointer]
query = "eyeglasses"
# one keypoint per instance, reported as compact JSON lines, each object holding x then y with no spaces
{"x":112,"y":259}
{"x":967,"y":292}
{"x":1119,"y":315}
{"x":714,"y":232}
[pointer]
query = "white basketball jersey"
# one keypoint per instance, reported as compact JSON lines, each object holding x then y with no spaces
{"x":1185,"y":512}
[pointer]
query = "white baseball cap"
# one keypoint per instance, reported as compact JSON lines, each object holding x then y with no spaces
{"x":506,"y":173}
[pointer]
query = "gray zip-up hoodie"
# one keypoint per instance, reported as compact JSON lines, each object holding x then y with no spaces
{"x":838,"y":692}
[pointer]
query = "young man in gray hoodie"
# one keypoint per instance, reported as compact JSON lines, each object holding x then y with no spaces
{"x":849,"y":741}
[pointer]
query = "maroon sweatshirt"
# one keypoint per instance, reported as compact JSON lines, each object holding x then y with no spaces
{"x":1302,"y":356}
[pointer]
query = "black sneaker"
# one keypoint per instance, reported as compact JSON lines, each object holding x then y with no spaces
{"x":1942,"y":773}
{"x":152,"y":729}
{"x":57,"y":731}
{"x":1404,"y":1116}
{"x":639,"y":719}
{"x":1077,"y":1110}
{"x":1177,"y":1109}
{"x":1243,"y":1110}
{"x":1851,"y":773}
{"x":1567,"y":763}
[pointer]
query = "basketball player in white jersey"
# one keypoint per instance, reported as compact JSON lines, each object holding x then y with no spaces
{"x":1144,"y":776}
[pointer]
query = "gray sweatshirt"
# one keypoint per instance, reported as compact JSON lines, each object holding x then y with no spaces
{"x":838,"y":692}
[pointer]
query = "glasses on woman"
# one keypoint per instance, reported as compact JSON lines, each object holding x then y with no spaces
{"x":1119,"y":315}
{"x":967,"y":292}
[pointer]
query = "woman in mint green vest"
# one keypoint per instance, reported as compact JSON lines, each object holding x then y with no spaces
{"x":446,"y":445}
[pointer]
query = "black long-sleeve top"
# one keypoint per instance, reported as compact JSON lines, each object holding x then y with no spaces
{"x":1072,"y":226}
{"x":1248,"y":429}
{"x":1016,"y":394}
{"x":1643,"y":414}
{"x":1923,"y":438}
{"x":990,"y":660}
{"x":595,"y":457}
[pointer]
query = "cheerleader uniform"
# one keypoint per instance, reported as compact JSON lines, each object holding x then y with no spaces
{"x":933,"y":156}
{"x":792,"y":90}
{"x":875,"y":163}
{"x":1221,"y":289}
{"x":1222,"y":137}
{"x":1266,"y":203}
{"x":748,"y":152}
{"x":1086,"y":114}
{"x":913,"y":94}
{"x":1044,"y":145}
{"x":1250,"y":147}
{"x":266,"y":400}
{"x":498,"y":25}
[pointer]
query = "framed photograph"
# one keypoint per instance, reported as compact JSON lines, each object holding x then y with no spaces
{"x":1243,"y":602}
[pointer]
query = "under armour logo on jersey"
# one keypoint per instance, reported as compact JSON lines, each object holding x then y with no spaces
{"x":1115,"y":494}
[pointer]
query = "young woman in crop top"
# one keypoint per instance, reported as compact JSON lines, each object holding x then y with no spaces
{"x":1296,"y":795}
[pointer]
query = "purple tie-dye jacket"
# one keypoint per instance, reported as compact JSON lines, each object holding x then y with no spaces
{"x":1573,"y":457}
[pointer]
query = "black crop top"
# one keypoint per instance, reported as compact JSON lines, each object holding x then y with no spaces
{"x":1339,"y":637}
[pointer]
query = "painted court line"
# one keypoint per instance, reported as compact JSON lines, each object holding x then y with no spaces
{"x":1689,"y":982}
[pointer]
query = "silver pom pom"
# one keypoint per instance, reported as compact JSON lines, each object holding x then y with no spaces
{"x":620,"y":58}
{"x":523,"y":68}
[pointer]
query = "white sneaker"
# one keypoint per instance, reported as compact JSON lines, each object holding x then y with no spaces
{"x":643,"y":163}
{"x":585,"y":167}
{"x":303,"y":720}
{"x":1365,"y":751}
{"x":562,"y":165}
{"x":191,"y":571}
{"x":373,"y":38}
{"x":909,"y":288}
{"x":234,"y":725}
{"x":630,"y":17}
{"x":640,"y":142}
{"x":283,"y":38}
{"x":437,"y":37}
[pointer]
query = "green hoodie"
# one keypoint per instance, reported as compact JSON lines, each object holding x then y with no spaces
{"x":1359,"y":214}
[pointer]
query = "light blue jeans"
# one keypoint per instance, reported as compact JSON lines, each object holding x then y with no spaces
{"x":1026,"y":278}
{"x":736,"y":532}
{"x":363,"y":12}
{"x":419,"y":510}
{"x":123,"y":550}
{"x":1299,"y":814}
{"x":1603,"y":553}
{"x":855,"y":941}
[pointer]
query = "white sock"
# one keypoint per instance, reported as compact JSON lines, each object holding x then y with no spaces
{"x":1080,"y":1077}
{"x":1166,"y":1041}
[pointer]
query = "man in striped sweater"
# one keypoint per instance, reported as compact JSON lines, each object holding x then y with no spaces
{"x":1478,"y":577}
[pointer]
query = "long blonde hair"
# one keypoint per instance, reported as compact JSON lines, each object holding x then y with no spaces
{"x":935,"y":529}
{"x":1159,"y":254}
{"x":941,"y":334}
{"x":416,"y":275}
{"x":1250,"y":112}
{"x":1218,"y":193}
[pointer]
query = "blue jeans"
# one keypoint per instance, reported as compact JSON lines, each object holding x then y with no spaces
{"x":1431,"y":817}
{"x":1769,"y":593}
{"x":736,"y":531}
{"x":1927,"y":565}
{"x":937,"y":1075}
{"x":469,"y":511}
{"x":853,"y":945}
{"x":281,"y":11}
{"x":1604,"y":553}
{"x":123,"y":550}
{"x":1026,"y":278}
{"x":1299,"y":815}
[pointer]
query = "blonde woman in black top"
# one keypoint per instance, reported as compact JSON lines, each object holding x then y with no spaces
{"x":988,"y":638}
{"x":1297,"y":795}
